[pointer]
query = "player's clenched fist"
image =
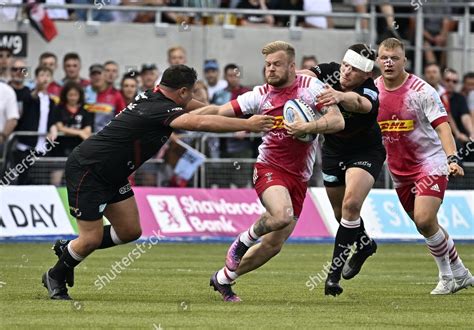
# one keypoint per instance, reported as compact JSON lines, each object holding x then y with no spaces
{"x":455,"y":169}
{"x":261,"y":123}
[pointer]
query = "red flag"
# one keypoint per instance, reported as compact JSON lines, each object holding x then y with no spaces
{"x":41,"y":22}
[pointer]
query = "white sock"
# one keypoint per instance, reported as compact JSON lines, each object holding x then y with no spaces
{"x":114,"y":236}
{"x":249,"y":237}
{"x":457,"y":266}
{"x":438,"y":247}
{"x":73,"y":253}
{"x":225,"y":276}
{"x":350,"y":224}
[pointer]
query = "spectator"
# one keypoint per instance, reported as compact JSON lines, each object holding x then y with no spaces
{"x":5,"y":63}
{"x":459,"y":109}
{"x":177,"y":55}
{"x":8,"y":113}
{"x":468,"y":91}
{"x":50,"y":60}
{"x":240,"y":146}
{"x":17,"y":82}
{"x":436,"y":31}
{"x":111,"y":70}
{"x":72,"y":69}
{"x":74,"y":121}
{"x":286,"y":5}
{"x":323,"y":6}
{"x":432,"y":74}
{"x":37,"y":116}
{"x":149,"y":75}
{"x":211,"y":74}
{"x":309,"y":61}
{"x":129,"y":88}
{"x":102,"y":100}
{"x":255,"y":20}
{"x":124,"y":16}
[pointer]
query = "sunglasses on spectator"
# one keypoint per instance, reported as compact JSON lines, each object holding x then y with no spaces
{"x":19,"y":69}
{"x":454,"y":81}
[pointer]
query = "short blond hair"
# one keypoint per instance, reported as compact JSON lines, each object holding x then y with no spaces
{"x":175,"y":48}
{"x":276,"y":46}
{"x":392,"y":43}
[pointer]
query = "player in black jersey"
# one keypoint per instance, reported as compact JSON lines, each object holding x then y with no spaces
{"x":97,"y":170}
{"x":352,"y":158}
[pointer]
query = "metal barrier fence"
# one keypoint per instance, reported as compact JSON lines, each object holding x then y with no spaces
{"x":215,"y":172}
{"x":227,"y":17}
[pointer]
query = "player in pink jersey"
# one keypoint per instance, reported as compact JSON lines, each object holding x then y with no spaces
{"x":283,"y":167}
{"x":421,"y":153}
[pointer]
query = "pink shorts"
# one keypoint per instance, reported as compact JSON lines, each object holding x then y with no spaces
{"x":433,"y":185}
{"x":265,"y":176}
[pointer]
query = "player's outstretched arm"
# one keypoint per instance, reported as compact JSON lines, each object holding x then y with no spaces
{"x":351,"y":101}
{"x":221,"y":124}
{"x":449,"y":146}
{"x":331,"y":122}
{"x":222,"y":110}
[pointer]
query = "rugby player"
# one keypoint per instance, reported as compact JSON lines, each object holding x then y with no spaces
{"x":352,"y":158}
{"x":97,"y":170}
{"x":283,"y":167}
{"x":421,"y":153}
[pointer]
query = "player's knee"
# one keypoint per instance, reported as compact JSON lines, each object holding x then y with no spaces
{"x":424,"y":222}
{"x":284,"y":217}
{"x":132,"y":234}
{"x":351,"y":207}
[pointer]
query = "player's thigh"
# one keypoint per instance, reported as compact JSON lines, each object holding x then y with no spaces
{"x":358,"y":185}
{"x":278,"y":238}
{"x":124,"y":217}
{"x":426,"y":209}
{"x":277,"y":201}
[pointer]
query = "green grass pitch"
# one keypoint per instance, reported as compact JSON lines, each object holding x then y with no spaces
{"x":167,"y":287}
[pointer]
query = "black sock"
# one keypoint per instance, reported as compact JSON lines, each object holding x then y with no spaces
{"x":363,"y":239}
{"x":345,"y":238}
{"x":106,"y":238}
{"x":65,"y":262}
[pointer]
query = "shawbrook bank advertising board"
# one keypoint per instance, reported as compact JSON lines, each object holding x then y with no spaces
{"x":39,"y":212}
{"x":208,"y":213}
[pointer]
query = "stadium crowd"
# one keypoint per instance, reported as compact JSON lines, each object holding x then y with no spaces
{"x":31,"y":100}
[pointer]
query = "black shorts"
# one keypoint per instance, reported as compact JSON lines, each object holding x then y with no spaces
{"x":334,"y":167}
{"x":88,"y":195}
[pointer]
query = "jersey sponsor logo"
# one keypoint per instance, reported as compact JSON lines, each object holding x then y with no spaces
{"x":269,"y":176}
{"x":278,"y":122}
{"x":175,"y":109}
{"x":370,"y":93}
{"x":397,"y":125}
{"x":435,"y":187}
{"x":99,"y":108}
{"x":363,"y":163}
{"x":125,"y":189}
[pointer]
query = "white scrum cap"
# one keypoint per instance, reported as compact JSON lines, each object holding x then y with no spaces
{"x":358,"y":61}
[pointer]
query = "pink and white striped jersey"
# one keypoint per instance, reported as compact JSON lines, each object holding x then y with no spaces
{"x":408,"y":117}
{"x":279,"y":149}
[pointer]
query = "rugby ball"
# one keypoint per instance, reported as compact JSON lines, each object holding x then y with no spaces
{"x":297,"y":108}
